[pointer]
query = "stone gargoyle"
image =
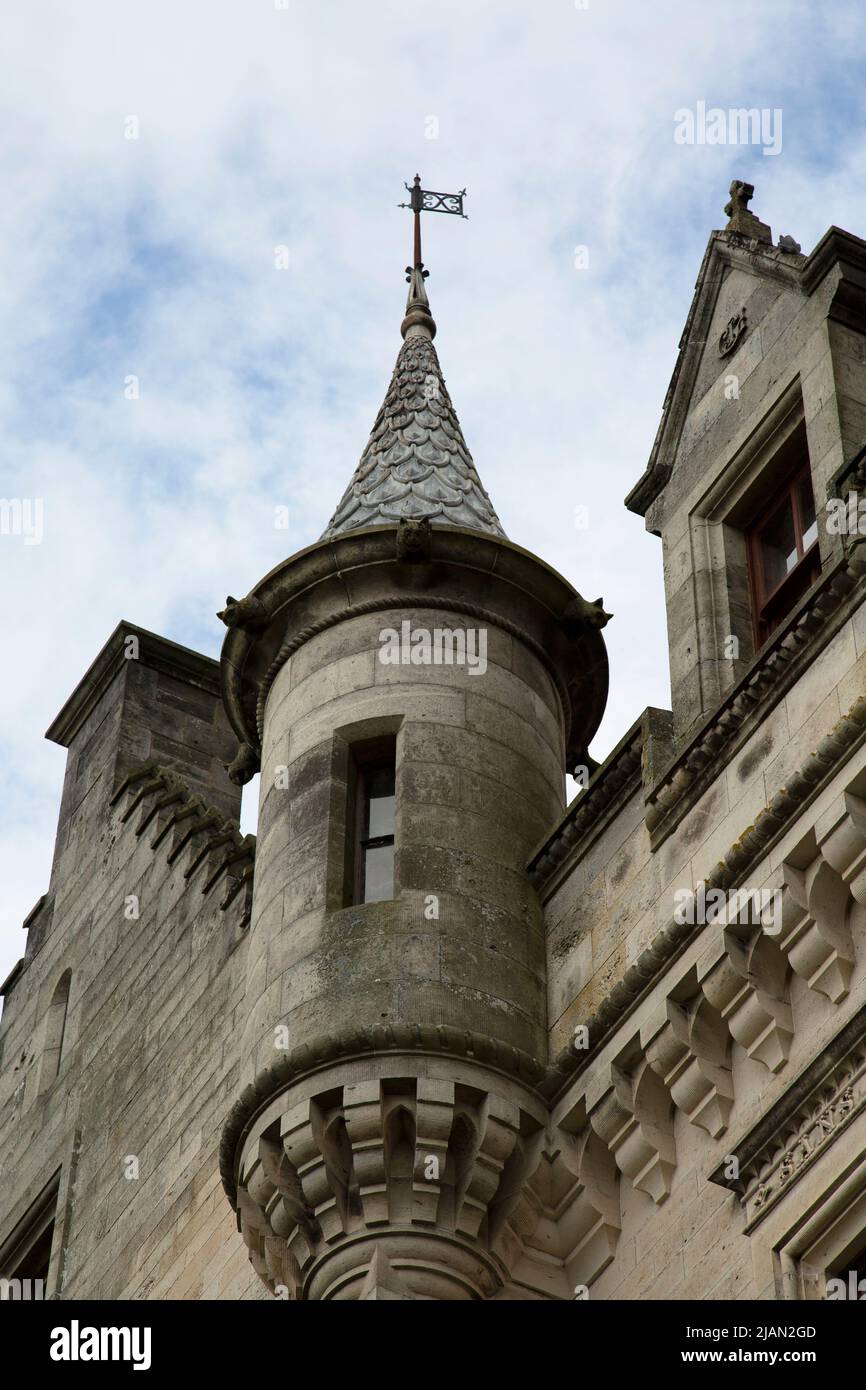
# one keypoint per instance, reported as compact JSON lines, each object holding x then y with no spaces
{"x":247,"y":612}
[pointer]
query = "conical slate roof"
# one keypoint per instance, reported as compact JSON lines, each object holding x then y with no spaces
{"x":416,"y":463}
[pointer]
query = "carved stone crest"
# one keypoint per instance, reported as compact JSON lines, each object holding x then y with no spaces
{"x":733,"y":333}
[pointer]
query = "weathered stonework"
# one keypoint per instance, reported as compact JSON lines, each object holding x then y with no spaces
{"x":527,"y":1073}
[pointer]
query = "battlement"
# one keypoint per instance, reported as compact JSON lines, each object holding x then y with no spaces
{"x":185,"y":826}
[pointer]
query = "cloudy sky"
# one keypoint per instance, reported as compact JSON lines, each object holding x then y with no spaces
{"x":294,"y":124}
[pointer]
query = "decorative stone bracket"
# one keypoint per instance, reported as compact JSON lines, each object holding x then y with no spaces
{"x":814,"y":932}
{"x":425,"y":1172}
{"x":747,"y":987}
{"x":689,"y":1051}
{"x":842,"y":838}
{"x":563,"y":1231}
{"x":818,"y":901}
{"x":634,"y":1120}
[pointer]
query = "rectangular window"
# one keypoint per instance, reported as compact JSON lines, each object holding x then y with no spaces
{"x":26,"y":1254}
{"x":374,"y":817}
{"x":783,"y":554}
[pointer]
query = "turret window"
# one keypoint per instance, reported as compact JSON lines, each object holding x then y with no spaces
{"x":375,"y":820}
{"x":783,"y":554}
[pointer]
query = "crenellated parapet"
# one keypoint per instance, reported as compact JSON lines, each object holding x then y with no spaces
{"x":158,"y":804}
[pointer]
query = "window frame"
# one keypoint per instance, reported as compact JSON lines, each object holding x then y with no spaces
{"x":770,"y":607}
{"x":715,"y":548}
{"x":38,"y":1221}
{"x":368,"y":757}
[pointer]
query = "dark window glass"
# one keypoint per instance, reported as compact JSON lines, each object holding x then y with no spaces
{"x":34,"y":1264}
{"x":778,"y":547}
{"x":376,"y":811}
{"x":26,"y":1252}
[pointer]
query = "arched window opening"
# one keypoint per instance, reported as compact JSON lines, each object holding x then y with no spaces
{"x":55,"y":1027}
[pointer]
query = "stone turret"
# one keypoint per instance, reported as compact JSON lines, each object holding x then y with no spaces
{"x":394,"y":1024}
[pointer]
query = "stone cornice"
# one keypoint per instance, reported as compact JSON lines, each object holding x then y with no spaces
{"x":833,"y":750}
{"x":842,"y":250}
{"x":462,"y":571}
{"x":154,"y":651}
{"x":827,"y":1095}
{"x":12,"y":978}
{"x":34,"y":913}
{"x":776,"y":668}
{"x":851,"y":477}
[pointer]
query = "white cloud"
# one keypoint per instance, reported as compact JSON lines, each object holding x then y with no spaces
{"x":261,"y":127}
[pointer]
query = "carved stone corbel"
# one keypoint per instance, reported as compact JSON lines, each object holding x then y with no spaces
{"x":843,"y":844}
{"x":434,"y":1115}
{"x":813,"y":931}
{"x":371,"y":1126}
{"x":634,"y":1120}
{"x":563,"y":1230}
{"x":590,"y":1220}
{"x":498,"y":1134}
{"x":433,"y":1176}
{"x":690,"y":1055}
{"x":747,"y":987}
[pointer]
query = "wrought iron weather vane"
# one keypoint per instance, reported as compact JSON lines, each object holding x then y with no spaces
{"x":424,"y":200}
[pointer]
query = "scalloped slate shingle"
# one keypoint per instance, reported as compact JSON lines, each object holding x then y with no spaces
{"x":416,"y":463}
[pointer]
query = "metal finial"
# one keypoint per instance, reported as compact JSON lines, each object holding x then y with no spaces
{"x":418,"y":316}
{"x":425,"y":200}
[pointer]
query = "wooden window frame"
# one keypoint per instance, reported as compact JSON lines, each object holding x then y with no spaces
{"x":770,"y":607}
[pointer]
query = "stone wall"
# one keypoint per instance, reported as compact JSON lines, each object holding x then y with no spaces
{"x":480,"y":777}
{"x":150,"y":1052}
{"x":724,"y":1041}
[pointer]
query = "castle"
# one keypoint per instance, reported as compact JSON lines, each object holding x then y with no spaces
{"x":431,"y":1033}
